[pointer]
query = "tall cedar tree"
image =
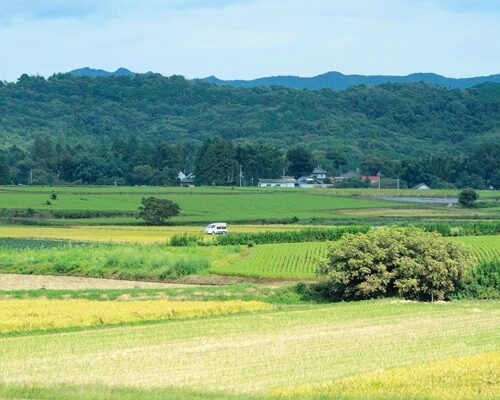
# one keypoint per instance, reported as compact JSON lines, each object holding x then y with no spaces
{"x":216,"y":164}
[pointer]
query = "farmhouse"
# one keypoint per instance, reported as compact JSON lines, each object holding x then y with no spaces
{"x":286,"y":181}
{"x":318,"y":173}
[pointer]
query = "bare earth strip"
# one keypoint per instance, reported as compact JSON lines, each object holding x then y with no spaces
{"x":35,"y":282}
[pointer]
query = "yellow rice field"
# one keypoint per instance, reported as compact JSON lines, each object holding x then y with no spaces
{"x":123,"y":234}
{"x":466,"y":378}
{"x":39,"y":314}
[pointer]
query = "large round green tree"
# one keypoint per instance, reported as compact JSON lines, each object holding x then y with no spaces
{"x":394,"y":261}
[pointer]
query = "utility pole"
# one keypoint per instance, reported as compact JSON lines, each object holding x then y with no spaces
{"x":398,"y":182}
{"x":241,"y":176}
{"x":31,"y":176}
{"x":379,"y":175}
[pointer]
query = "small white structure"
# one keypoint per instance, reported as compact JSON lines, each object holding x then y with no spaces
{"x":287,"y":182}
{"x":309,"y":182}
{"x":186,"y":180}
{"x":421,"y":186}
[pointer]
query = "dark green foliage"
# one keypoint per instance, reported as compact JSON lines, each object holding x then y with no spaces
{"x":394,"y":261}
{"x":352,"y":183}
{"x":157,"y":211}
{"x":305,"y":235}
{"x":4,"y":171}
{"x":300,"y":162}
{"x":144,"y":129}
{"x":482,"y":281}
{"x":467,"y":198}
{"x":216,"y":164}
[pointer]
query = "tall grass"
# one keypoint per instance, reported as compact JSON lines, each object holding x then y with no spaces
{"x":305,"y":235}
{"x":133,"y":262}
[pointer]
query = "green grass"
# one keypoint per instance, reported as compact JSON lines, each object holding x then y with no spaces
{"x":247,"y":354}
{"x":132,"y":262}
{"x":89,"y":189}
{"x":270,"y":293}
{"x":100,"y":205}
{"x":199,"y":205}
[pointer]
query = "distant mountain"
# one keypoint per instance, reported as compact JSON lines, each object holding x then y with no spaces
{"x":98,"y":73}
{"x":338,"y":81}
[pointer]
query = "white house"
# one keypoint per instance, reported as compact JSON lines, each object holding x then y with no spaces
{"x":287,"y":182}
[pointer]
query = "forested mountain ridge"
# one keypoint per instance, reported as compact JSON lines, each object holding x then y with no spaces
{"x":330,"y":80}
{"x":391,"y":119}
{"x":92,"y":120}
{"x":338,"y":81}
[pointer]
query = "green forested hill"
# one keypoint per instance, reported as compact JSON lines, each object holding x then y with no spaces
{"x":143,"y":129}
{"x":389,"y":119}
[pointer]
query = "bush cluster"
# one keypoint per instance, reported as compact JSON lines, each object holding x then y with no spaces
{"x":408,"y":262}
{"x":482,"y":281}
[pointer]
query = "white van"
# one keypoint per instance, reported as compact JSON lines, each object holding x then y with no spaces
{"x":216,"y":228}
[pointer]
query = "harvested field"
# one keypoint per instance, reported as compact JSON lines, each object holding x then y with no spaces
{"x":255,"y":353}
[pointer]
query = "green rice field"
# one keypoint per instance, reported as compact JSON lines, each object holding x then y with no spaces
{"x":98,"y":205}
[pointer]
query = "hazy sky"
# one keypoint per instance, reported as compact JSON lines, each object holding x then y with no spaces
{"x":251,"y":38}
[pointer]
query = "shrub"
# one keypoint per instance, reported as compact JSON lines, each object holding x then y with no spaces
{"x":482,"y":281}
{"x":467,"y":198}
{"x":394,"y":261}
{"x":156,"y":211}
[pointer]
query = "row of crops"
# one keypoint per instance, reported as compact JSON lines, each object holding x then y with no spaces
{"x":481,"y":247}
{"x":281,"y":260}
{"x":300,"y":260}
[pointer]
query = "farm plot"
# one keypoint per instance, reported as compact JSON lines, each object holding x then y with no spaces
{"x":283,"y":260}
{"x":300,"y":260}
{"x":481,"y":247}
{"x":125,"y":234}
{"x":40,"y":314}
{"x":256,"y":353}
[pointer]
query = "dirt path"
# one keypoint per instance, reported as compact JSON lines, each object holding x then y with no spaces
{"x":35,"y":282}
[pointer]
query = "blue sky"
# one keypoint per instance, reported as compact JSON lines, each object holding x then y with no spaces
{"x":251,"y":38}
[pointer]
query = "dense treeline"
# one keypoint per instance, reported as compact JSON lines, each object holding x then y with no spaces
{"x":144,"y":129}
{"x":217,"y":162}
